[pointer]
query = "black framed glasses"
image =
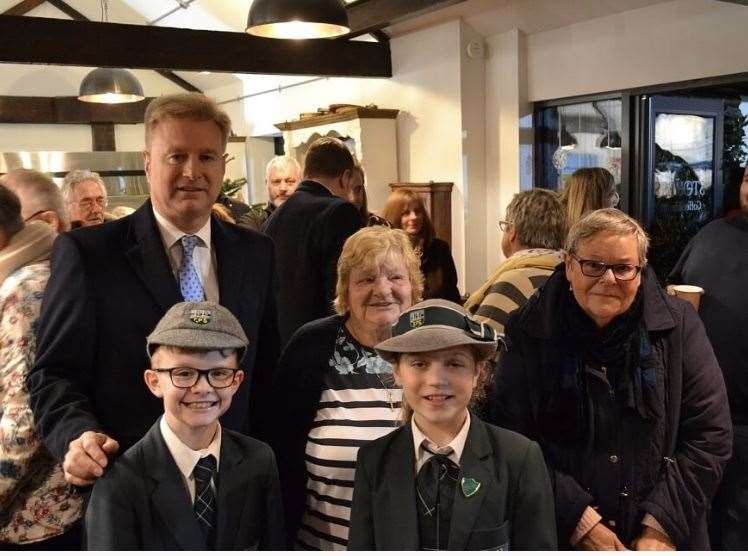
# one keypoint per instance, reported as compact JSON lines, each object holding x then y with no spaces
{"x":187,"y":377}
{"x":504,"y":225}
{"x":595,"y":269}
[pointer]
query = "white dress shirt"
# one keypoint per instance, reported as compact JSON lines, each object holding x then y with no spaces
{"x":453,"y":450}
{"x":203,"y":256}
{"x":186,"y":458}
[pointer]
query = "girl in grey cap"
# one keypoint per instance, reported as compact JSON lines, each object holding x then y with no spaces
{"x":446,"y":480}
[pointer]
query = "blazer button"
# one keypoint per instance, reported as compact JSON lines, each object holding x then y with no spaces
{"x":613,"y":459}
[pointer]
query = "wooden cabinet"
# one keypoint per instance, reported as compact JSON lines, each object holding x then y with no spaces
{"x":437,"y":196}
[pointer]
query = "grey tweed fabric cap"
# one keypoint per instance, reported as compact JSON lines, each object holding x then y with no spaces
{"x":436,"y":324}
{"x":198,"y":325}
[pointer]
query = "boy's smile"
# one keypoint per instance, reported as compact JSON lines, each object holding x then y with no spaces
{"x":192,"y":413}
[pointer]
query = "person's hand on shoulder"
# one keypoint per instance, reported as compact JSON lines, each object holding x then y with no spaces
{"x":652,"y":539}
{"x":600,"y":538}
{"x":87,"y":456}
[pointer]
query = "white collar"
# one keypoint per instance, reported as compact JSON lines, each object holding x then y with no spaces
{"x":172,"y":234}
{"x":185,"y":457}
{"x":455,"y":447}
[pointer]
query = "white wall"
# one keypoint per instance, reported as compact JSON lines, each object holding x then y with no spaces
{"x":668,"y":42}
{"x":425,"y":87}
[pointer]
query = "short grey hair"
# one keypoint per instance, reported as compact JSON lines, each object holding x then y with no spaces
{"x":281,"y":164}
{"x":74,"y":177}
{"x":610,"y":221}
{"x":42,"y":192}
{"x":538,"y":218}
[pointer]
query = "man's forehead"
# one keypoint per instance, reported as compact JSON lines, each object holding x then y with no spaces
{"x":89,"y":188}
{"x":185,"y":134}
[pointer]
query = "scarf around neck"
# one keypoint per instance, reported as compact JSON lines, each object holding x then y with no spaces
{"x":32,"y":244}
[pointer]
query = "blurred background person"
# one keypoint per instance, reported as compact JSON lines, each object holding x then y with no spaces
{"x":40,"y":511}
{"x":282,"y":177}
{"x":85,"y":196}
{"x":405,"y":210}
{"x":586,"y":190}
{"x":716,"y":259}
{"x":617,"y":382}
{"x":120,"y":212}
{"x":533,"y":232}
{"x":358,"y":198}
{"x":335,"y":392}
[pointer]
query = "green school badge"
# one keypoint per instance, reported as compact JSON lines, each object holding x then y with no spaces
{"x":469,"y":486}
{"x":200,"y":316}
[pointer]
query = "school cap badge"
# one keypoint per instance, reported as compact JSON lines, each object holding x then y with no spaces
{"x":417,"y":318}
{"x":200,"y":316}
{"x":469,"y":486}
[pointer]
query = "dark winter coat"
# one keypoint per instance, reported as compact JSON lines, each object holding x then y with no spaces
{"x":668,"y":465}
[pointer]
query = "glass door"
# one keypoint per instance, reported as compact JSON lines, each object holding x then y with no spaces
{"x":683,"y":173}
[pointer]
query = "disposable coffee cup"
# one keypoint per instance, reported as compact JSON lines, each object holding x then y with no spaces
{"x":692,"y":294}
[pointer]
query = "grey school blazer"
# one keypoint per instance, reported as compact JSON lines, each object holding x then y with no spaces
{"x":141,"y":503}
{"x":511,"y":510}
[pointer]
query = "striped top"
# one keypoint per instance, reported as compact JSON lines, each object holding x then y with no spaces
{"x":359,"y":403}
{"x":510,"y":290}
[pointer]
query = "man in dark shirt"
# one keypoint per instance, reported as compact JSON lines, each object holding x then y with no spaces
{"x":717,"y":260}
{"x":309,"y":230}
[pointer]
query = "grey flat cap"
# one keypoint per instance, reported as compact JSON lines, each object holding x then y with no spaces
{"x":198,"y":325}
{"x":436,"y":324}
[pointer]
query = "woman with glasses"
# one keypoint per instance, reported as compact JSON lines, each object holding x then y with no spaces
{"x":618,"y":383}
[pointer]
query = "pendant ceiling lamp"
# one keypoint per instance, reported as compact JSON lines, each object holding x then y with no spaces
{"x":611,"y":141}
{"x":110,"y":86}
{"x":298,"y":19}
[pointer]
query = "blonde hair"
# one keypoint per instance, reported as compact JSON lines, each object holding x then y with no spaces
{"x":585,"y":191}
{"x":365,"y":249}
{"x":397,"y":203}
{"x":610,"y":221}
{"x":185,"y":106}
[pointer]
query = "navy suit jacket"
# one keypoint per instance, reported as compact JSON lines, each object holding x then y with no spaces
{"x":309,"y":231}
{"x":142,"y":503}
{"x":109,"y":287}
{"x":511,"y":510}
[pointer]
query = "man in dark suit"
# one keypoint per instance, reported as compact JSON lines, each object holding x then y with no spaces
{"x":309,"y":231}
{"x":111,"y":284}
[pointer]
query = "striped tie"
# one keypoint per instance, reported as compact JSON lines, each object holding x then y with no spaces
{"x":205,"y":498}
{"x":189,"y":282}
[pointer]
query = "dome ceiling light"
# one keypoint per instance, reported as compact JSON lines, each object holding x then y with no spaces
{"x":298,"y":19}
{"x":110,"y":86}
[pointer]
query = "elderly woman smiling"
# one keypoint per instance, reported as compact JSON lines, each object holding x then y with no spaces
{"x":334,"y":392}
{"x":619,"y":385}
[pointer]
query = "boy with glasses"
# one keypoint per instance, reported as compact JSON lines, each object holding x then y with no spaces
{"x":188,"y":484}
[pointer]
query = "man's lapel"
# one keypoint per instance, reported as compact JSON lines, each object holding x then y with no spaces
{"x":232,"y":491}
{"x":230,"y":265}
{"x":476,"y":466}
{"x":145,"y":252}
{"x":402,"y":519}
{"x":170,"y":497}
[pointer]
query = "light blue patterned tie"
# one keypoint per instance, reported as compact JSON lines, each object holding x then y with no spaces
{"x":189,"y":282}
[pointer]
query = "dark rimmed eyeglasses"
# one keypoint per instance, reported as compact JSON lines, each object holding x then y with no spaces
{"x":187,"y":377}
{"x":595,"y":269}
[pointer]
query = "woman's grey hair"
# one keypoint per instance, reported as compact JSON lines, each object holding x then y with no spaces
{"x":74,"y":177}
{"x":38,"y":191}
{"x":538,"y":218}
{"x":610,"y":221}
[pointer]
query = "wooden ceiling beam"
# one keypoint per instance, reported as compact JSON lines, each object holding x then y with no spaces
{"x":168,"y":74}
{"x":366,"y":16}
{"x":36,"y":40}
{"x":24,"y":7}
{"x":68,"y":110}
